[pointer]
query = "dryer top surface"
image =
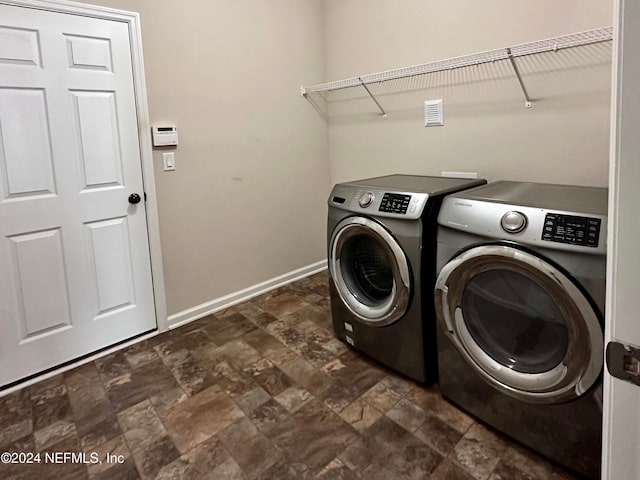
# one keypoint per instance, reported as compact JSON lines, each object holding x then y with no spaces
{"x":569,"y":198}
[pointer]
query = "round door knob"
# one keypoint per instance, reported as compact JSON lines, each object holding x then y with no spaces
{"x":134,"y":198}
{"x":366,"y":199}
{"x":513,"y":222}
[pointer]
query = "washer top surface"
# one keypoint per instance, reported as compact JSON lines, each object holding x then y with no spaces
{"x":416,"y":183}
{"x":569,"y":198}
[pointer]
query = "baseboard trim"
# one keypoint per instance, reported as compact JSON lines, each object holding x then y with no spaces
{"x":217,"y":304}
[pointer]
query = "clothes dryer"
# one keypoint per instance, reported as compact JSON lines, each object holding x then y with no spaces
{"x":520,"y":299}
{"x":381,"y":253}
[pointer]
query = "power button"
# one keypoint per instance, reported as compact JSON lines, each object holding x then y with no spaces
{"x":513,"y":222}
{"x":366,"y":199}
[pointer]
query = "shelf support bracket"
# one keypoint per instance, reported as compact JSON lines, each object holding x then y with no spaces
{"x":384,"y":114}
{"x":527,"y":100}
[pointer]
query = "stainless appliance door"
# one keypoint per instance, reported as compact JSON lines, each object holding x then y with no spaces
{"x":521,"y":323}
{"x":370,"y":271}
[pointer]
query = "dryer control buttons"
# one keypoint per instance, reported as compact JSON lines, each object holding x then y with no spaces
{"x":395,"y":203}
{"x":571,"y":229}
{"x":513,"y":222}
{"x":366,"y":199}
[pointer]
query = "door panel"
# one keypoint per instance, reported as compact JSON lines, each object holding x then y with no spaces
{"x":98,"y":141}
{"x":39,"y":269}
{"x":76,"y":250}
{"x":112,"y":260}
{"x":19,"y":46}
{"x":26,"y":152}
{"x":89,"y":52}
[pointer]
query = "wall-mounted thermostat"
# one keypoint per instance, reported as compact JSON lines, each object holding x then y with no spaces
{"x":165,"y":135}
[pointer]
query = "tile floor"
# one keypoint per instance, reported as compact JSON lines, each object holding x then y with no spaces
{"x":260,"y":391}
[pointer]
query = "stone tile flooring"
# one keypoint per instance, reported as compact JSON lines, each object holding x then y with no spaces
{"x":260,"y":391}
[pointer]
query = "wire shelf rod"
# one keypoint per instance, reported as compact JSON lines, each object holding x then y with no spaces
{"x":527,"y":100}
{"x":588,"y":37}
{"x":384,"y":114}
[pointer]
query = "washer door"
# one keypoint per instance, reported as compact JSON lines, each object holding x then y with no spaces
{"x":370,"y":271}
{"x":521,"y":323}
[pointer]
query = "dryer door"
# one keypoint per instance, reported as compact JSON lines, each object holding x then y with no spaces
{"x":521,"y":323}
{"x":370,"y":271}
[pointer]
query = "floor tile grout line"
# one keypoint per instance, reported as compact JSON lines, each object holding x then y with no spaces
{"x":300,"y":355}
{"x":147,"y":399}
{"x":133,"y":458}
{"x":162,"y":358}
{"x":224,"y":392}
{"x":124,"y":437}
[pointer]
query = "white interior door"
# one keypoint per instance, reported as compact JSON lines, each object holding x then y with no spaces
{"x":75,"y":272}
{"x":622,"y":399}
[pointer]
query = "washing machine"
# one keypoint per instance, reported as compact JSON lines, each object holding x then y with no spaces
{"x":381,"y":256}
{"x":519,"y":299}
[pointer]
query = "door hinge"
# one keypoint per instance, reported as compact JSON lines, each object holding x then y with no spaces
{"x":623,"y":362}
{"x":145,"y":196}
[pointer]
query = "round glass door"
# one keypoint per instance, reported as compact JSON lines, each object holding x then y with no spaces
{"x":521,"y":323}
{"x":370,"y":271}
{"x":515,"y":321}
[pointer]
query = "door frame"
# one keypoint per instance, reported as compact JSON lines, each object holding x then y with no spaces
{"x":621,"y":417}
{"x":132,"y":19}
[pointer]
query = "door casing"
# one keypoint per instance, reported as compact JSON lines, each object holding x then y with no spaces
{"x":621,"y":424}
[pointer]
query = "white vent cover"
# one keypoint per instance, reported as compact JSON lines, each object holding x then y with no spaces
{"x":433,"y":113}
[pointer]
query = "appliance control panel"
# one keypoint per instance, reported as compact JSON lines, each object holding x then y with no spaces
{"x":394,"y":203}
{"x":571,"y":229}
{"x":584,"y":232}
{"x":381,"y":203}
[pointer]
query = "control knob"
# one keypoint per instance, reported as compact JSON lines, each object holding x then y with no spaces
{"x":513,"y":222}
{"x":366,"y":199}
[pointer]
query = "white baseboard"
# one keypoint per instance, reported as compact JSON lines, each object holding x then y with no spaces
{"x":217,"y":304}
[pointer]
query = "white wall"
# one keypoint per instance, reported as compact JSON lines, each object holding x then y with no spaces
{"x":247,"y":201}
{"x":564,"y":138}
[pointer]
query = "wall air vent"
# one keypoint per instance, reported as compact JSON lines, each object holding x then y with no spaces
{"x":433,"y":113}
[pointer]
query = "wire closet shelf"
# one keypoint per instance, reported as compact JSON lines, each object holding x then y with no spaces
{"x":554,"y":44}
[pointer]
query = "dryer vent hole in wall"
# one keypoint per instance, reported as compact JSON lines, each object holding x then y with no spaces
{"x":433,"y":113}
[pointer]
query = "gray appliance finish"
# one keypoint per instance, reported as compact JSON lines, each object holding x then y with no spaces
{"x":381,"y":236}
{"x":520,"y":299}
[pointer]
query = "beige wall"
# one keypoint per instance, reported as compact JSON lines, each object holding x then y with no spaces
{"x":564,"y":138}
{"x":256,"y":161}
{"x":247,"y":200}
